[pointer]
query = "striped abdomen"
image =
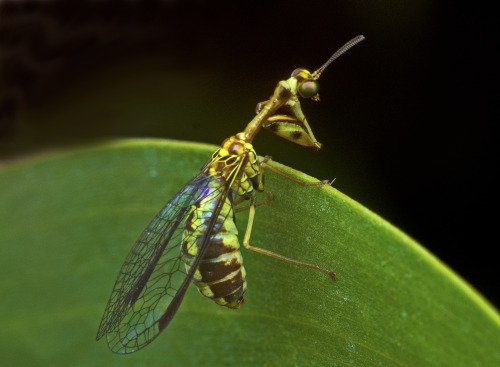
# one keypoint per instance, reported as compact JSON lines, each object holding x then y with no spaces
{"x":220,"y":275}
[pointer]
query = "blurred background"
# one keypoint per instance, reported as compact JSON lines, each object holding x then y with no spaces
{"x":405,"y":117}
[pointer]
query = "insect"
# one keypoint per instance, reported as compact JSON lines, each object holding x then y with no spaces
{"x":194,"y":237}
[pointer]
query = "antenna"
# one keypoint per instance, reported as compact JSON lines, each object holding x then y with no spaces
{"x":338,"y":53}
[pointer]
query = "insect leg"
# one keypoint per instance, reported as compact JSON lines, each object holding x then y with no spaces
{"x":264,"y":165}
{"x":246,"y":244}
{"x":270,"y":197}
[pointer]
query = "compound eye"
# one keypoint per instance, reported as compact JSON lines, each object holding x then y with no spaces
{"x":308,"y":88}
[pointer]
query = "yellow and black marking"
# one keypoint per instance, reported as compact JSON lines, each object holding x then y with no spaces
{"x":194,"y":237}
{"x":220,"y":275}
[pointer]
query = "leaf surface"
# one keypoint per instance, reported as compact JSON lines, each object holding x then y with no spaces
{"x":68,"y":220}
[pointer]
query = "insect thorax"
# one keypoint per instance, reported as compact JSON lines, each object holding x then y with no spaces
{"x":237,"y":162}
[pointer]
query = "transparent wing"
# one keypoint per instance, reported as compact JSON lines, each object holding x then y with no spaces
{"x":153,"y":279}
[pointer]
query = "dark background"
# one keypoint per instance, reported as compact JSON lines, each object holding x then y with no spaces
{"x":406,"y":117}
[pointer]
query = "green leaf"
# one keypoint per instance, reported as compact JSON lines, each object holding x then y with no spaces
{"x":68,"y":220}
